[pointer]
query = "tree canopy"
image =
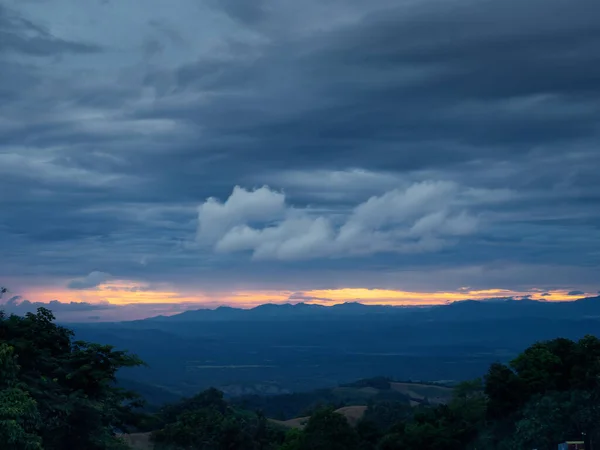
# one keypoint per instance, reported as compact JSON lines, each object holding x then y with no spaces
{"x":57,"y":393}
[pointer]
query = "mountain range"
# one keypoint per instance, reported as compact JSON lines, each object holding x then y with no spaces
{"x":292,"y":348}
{"x":588,"y":307}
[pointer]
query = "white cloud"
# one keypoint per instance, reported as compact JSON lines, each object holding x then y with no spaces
{"x":242,"y":207}
{"x":423,"y":217}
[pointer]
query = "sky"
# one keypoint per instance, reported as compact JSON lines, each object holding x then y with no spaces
{"x":157,"y":156}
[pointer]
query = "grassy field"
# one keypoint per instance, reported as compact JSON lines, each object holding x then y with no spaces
{"x":352,"y":413}
{"x":416,"y":391}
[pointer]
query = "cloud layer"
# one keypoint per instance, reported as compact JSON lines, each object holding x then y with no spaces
{"x":411,"y":145}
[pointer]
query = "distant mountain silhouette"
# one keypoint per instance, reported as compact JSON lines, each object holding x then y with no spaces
{"x":272,"y":310}
{"x":462,"y":310}
{"x":512,"y":309}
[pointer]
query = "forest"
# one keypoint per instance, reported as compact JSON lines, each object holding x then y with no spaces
{"x":57,"y":393}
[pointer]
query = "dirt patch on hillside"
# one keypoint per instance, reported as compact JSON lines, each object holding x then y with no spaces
{"x":138,"y":441}
{"x":352,"y":413}
{"x":416,"y":391}
{"x":298,"y":422}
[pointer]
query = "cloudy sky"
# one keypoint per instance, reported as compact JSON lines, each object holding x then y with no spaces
{"x":167,"y":154}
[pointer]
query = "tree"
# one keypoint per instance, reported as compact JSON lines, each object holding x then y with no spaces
{"x":368,"y":434}
{"x":328,"y":430}
{"x":209,"y":399}
{"x":553,"y":418}
{"x":559,"y":365}
{"x":385,"y":414}
{"x":444,"y":427}
{"x":539,"y":369}
{"x":199,"y":430}
{"x":468,"y":409}
{"x":19,"y":416}
{"x":206,"y":422}
{"x":294,"y":440}
{"x":72,"y":384}
{"x":504,"y":391}
{"x":585,"y":371}
{"x":261,"y":433}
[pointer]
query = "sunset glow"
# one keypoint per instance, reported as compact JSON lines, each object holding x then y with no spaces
{"x":131,"y":293}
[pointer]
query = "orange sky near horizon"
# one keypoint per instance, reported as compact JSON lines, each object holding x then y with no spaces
{"x":129,"y":293}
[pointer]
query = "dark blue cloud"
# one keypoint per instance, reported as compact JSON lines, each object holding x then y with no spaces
{"x":92,"y":280}
{"x":19,"y":306}
{"x":20,"y":35}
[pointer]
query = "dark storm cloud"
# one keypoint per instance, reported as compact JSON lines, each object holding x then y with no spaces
{"x":250,"y":13}
{"x":79,"y":311}
{"x":19,"y":306}
{"x":94,"y":279}
{"x":442,"y":82}
{"x":22,"y":36}
{"x":105,"y":155}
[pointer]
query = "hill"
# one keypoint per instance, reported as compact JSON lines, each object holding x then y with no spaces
{"x":57,"y":393}
{"x":546,"y":395}
{"x":277,"y":349}
{"x":353,"y":414}
{"x":360,"y":393}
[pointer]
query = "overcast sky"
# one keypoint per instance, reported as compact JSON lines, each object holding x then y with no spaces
{"x":241,"y":151}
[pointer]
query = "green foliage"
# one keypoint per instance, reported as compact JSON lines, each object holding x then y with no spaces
{"x":289,"y":406}
{"x":19,"y":416}
{"x":294,"y":440}
{"x":210,"y":399}
{"x":301,"y":404}
{"x":546,"y":419}
{"x":19,"y":420}
{"x":539,"y":369}
{"x":546,"y":395}
{"x":328,"y":430}
{"x":369,"y":434}
{"x":62,"y":394}
{"x":385,"y":414}
{"x":207,"y":422}
{"x":504,"y":390}
{"x":469,"y":403}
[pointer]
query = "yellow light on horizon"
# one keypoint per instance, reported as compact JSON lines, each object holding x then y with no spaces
{"x":127,"y":292}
